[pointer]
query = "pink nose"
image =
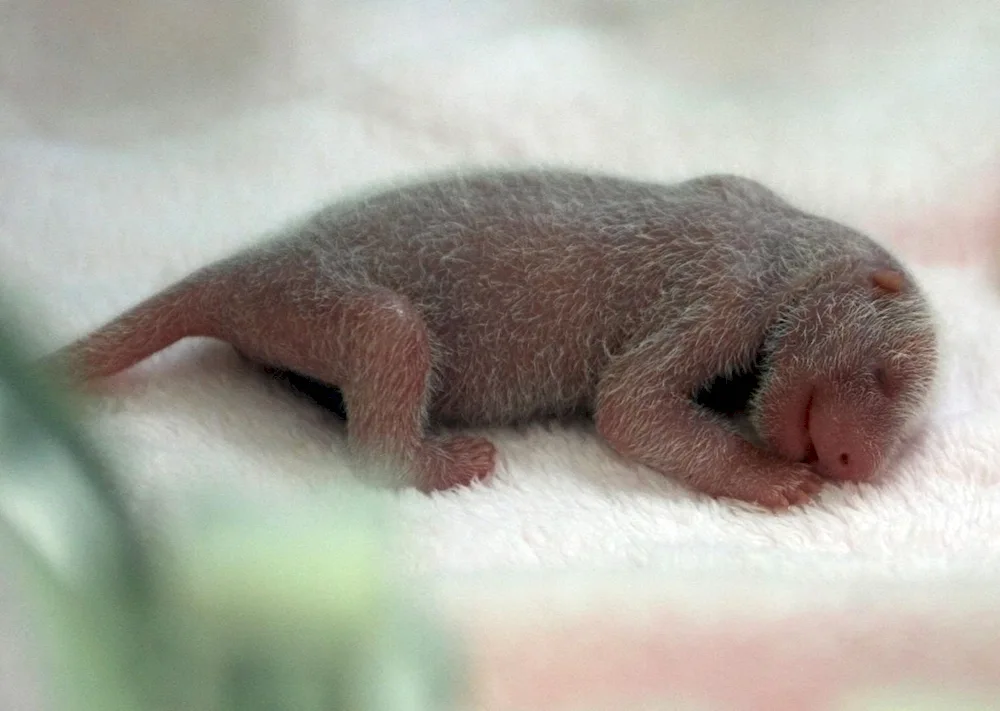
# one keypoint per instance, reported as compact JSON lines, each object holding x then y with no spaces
{"x":840,"y":445}
{"x":845,"y":463}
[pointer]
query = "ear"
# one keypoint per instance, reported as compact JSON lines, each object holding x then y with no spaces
{"x":889,"y":280}
{"x":735,"y":187}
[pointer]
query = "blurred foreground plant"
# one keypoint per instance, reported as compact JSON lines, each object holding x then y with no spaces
{"x":236,"y":605}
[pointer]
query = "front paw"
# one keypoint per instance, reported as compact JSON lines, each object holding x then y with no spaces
{"x":780,"y":486}
{"x":771,"y":483}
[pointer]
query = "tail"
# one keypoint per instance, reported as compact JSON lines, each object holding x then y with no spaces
{"x":175,"y":313}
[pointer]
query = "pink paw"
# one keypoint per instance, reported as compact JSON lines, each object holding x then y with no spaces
{"x":790,"y":485}
{"x":455,"y":461}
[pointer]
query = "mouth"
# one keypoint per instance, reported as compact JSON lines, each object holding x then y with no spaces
{"x":808,"y":448}
{"x":791,"y":435}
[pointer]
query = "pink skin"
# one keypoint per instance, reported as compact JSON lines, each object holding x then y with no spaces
{"x":826,"y":434}
{"x":842,"y":448}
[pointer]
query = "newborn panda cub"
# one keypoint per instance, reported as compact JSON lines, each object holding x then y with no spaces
{"x":496,"y":297}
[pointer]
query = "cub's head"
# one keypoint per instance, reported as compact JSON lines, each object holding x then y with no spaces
{"x":847,"y":371}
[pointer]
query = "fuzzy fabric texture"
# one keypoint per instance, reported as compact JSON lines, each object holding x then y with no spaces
{"x":137,"y":143}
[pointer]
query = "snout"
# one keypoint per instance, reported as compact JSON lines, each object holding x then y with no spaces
{"x":842,"y":444}
{"x":845,"y":461}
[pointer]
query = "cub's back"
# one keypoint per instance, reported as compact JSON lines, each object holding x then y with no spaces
{"x":529,"y":281}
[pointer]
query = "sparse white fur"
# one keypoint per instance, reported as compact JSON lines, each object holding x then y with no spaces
{"x":508,"y":296}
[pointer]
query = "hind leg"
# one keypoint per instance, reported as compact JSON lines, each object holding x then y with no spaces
{"x":387,"y":391}
{"x":374,"y":345}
